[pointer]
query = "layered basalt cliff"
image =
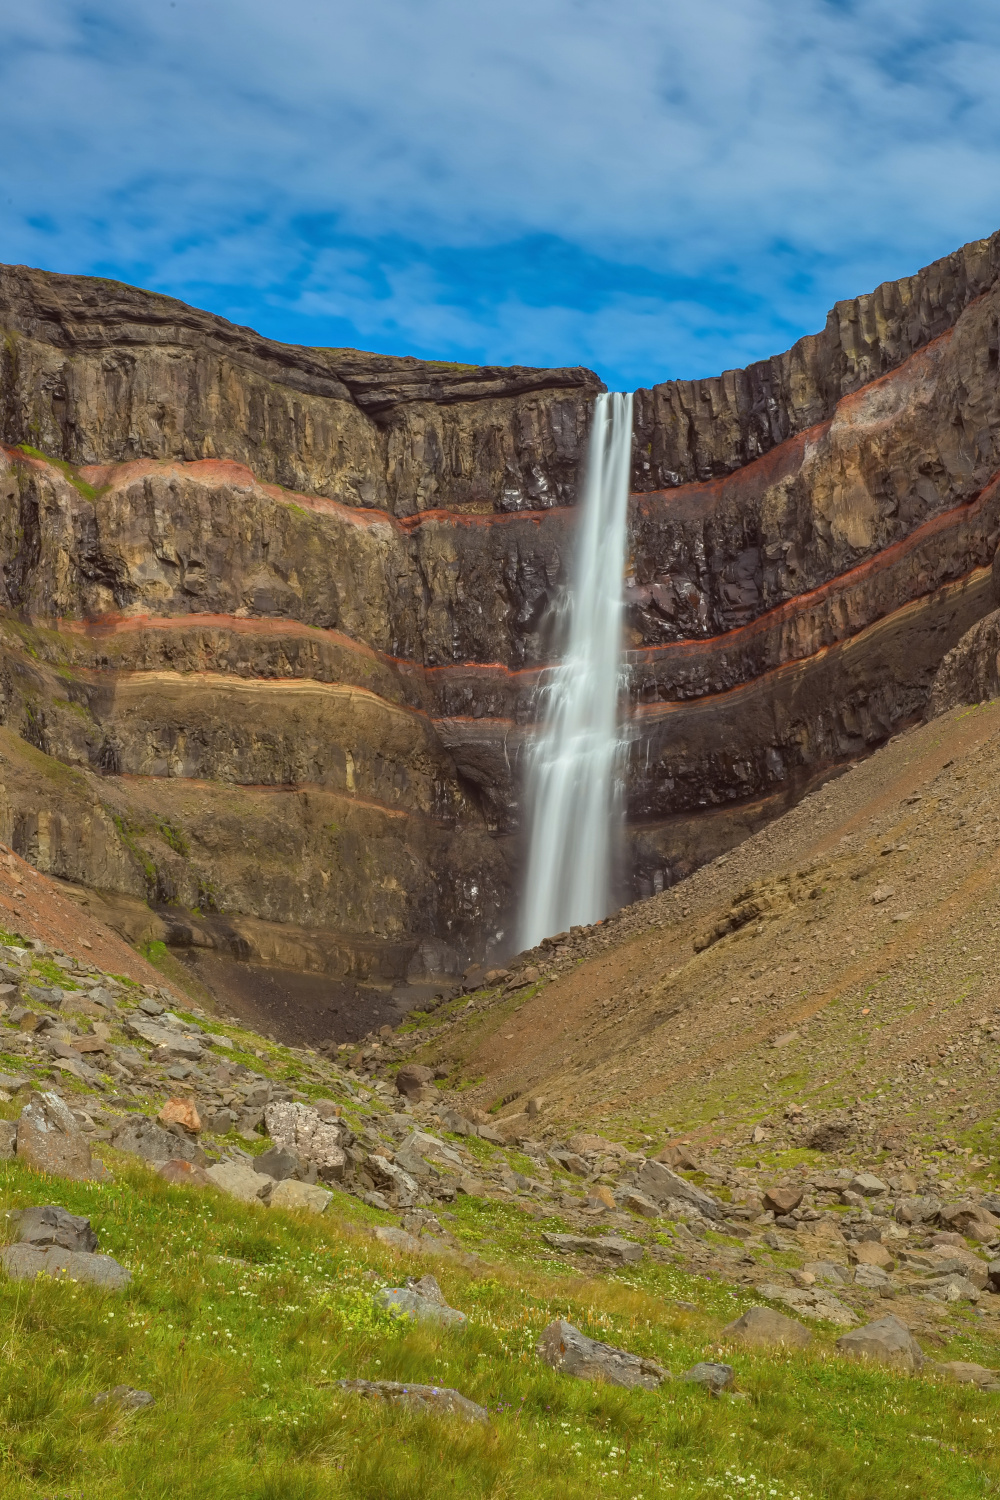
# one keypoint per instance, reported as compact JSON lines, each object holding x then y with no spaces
{"x":274,"y":619}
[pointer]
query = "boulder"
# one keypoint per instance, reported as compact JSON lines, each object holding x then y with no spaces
{"x":180,"y":1173}
{"x":413,"y":1081}
{"x":810,"y":1302}
{"x":828,"y":1272}
{"x":885,"y":1342}
{"x":638,"y":1203}
{"x":305,"y":1196}
{"x":873,"y":1277}
{"x":971,"y":1220}
{"x":608,"y":1247}
{"x":568,"y":1350}
{"x":918,"y":1208}
{"x":658,"y":1182}
{"x":781,"y":1200}
{"x":867,"y":1184}
{"x":714,"y":1377}
{"x":48,"y":1224}
{"x":180,"y":1112}
{"x":394,"y":1180}
{"x":278,"y":1163}
{"x":870,"y":1253}
{"x":240,"y":1181}
{"x":430,"y":1398}
{"x":8,"y":1139}
{"x":49,"y":1139}
{"x":762,"y":1327}
{"x":422,"y":1301}
{"x":303,"y":1131}
{"x":25,"y":1262}
{"x":397,"y":1239}
{"x":140,"y":1136}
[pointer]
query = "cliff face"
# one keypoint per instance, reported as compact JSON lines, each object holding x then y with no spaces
{"x":273,"y":618}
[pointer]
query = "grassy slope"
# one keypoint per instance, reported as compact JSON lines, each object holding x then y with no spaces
{"x":241,"y":1354}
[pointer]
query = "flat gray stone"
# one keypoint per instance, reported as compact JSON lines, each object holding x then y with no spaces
{"x":432,"y":1398}
{"x":25,"y":1262}
{"x":868,"y":1185}
{"x":566,"y":1349}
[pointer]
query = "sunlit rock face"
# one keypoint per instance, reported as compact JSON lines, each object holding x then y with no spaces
{"x":275,"y":617}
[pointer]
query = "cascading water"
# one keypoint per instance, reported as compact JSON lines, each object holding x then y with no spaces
{"x":572,"y":791}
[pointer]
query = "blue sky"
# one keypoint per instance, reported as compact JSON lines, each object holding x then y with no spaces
{"x":651,"y":189}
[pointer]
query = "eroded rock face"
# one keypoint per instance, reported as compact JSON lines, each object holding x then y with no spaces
{"x":286,"y":618}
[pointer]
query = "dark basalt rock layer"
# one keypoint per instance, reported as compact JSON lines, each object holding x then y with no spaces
{"x":274,"y":619}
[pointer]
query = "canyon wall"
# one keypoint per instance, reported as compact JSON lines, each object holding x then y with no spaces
{"x":273,"y":619}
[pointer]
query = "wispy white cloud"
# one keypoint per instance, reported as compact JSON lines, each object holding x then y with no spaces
{"x":654,"y":188}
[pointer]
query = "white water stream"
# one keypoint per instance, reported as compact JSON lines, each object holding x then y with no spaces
{"x":572,"y":785}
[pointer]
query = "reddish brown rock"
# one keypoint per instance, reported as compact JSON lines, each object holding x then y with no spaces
{"x":181,"y":1112}
{"x":783,"y":1199}
{"x":184,"y":1174}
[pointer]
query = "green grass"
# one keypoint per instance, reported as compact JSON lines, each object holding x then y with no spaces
{"x":242,"y":1354}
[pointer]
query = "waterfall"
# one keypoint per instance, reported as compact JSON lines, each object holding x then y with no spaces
{"x":572,"y":791}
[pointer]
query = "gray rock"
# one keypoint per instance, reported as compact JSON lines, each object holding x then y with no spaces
{"x":422,"y":1301}
{"x":885,"y":1342}
{"x":48,"y":1224}
{"x":952,"y":1288}
{"x":8,"y":1139}
{"x":140,"y":1136}
{"x":306,"y":1196}
{"x":433,"y":1398}
{"x":125,"y":1396}
{"x":658,"y":1182}
{"x":568,"y":1350}
{"x":608,"y":1247}
{"x":397,"y":1239}
{"x":44,"y":995}
{"x":392,"y":1179}
{"x":919,"y":1208}
{"x":278,"y":1163}
{"x":827,"y":1272}
{"x":762,"y":1327}
{"x":714,"y":1377}
{"x":25,"y":1262}
{"x":240,"y":1181}
{"x":868,"y":1185}
{"x":872,"y":1277}
{"x":11,"y":1082}
{"x":810,"y":1302}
